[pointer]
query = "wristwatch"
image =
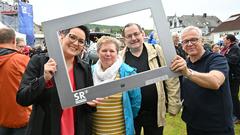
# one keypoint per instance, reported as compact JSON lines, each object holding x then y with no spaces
{"x":191,"y":73}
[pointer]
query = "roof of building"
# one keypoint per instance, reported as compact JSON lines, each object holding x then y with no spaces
{"x":38,"y":29}
{"x":200,"y":20}
{"x":231,"y":24}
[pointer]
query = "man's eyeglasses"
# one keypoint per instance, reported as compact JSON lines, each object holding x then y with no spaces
{"x":136,"y":34}
{"x":73,"y":38}
{"x":193,"y":41}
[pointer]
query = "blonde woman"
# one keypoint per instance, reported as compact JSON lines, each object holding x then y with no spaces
{"x":116,"y":113}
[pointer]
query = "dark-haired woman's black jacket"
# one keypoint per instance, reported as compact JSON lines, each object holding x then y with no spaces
{"x":46,"y":109}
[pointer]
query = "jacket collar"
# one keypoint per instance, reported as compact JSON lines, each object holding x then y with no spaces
{"x":152,"y":53}
{"x":5,"y":51}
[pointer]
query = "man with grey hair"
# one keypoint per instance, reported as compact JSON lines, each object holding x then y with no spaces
{"x":177,"y":45}
{"x":207,"y":106}
{"x":20,"y":44}
{"x":180,"y":52}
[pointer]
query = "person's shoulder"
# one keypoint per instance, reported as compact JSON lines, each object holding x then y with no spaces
{"x":40,"y":55}
{"x":156,"y":47}
{"x":93,"y":66}
{"x":20,"y":55}
{"x":126,"y":68}
{"x":18,"y":61}
{"x":82,"y":63}
{"x":20,"y":58}
{"x":215,"y":56}
{"x":40,"y":58}
{"x":212,"y":54}
{"x":235,"y":47}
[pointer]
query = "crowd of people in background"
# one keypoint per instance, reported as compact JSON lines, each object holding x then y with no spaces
{"x":25,"y":49}
{"x":207,"y":89}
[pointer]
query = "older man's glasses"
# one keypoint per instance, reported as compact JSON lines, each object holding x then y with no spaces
{"x":136,"y":34}
{"x":73,"y":38}
{"x":20,"y":46}
{"x":193,"y":41}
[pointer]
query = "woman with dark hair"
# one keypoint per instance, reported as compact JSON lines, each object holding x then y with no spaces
{"x":38,"y":89}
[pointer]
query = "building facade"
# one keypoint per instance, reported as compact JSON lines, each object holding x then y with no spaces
{"x":204,"y":22}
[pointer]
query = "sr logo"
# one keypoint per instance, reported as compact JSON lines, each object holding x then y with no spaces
{"x":80,"y":97}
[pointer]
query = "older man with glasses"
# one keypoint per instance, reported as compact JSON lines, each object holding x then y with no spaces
{"x":207,"y":106}
{"x":20,"y":44}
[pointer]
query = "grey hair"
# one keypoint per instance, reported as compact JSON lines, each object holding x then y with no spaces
{"x":18,"y":40}
{"x":190,"y":28}
{"x":108,"y":39}
{"x":175,"y":34}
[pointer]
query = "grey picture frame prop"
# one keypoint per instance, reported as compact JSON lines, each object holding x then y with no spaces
{"x":70,"y":98}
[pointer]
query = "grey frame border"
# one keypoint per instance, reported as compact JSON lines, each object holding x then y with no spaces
{"x":69,"y":98}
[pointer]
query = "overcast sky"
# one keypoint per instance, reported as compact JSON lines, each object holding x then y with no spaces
{"x":44,"y":10}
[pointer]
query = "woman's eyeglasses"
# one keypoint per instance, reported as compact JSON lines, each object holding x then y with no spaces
{"x":73,"y":38}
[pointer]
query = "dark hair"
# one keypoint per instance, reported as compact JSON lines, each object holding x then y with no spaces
{"x":231,"y":37}
{"x":131,"y":24}
{"x":82,"y":27}
{"x":213,"y":45}
{"x":7,"y":35}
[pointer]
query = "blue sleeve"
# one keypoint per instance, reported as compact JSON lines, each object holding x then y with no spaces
{"x":135,"y":99}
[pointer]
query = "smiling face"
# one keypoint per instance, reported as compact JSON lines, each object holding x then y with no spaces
{"x":192,"y":43}
{"x":107,"y":54}
{"x":133,"y":37}
{"x":73,"y":43}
